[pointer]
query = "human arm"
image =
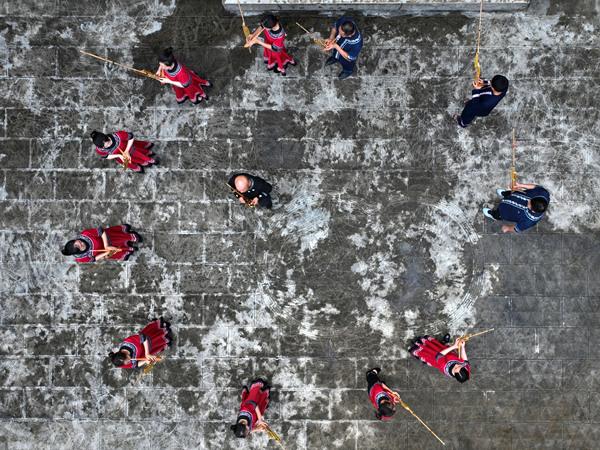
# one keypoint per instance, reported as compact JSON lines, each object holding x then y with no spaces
{"x":104,"y":238}
{"x":333,"y":45}
{"x":449,"y":349}
{"x":259,"y":422}
{"x":253,"y":41}
{"x":173,"y":82}
{"x":128,"y":148}
{"x":462,"y":352}
{"x":481,"y":83}
{"x":332,"y":36}
{"x":255,"y":34}
{"x":508,"y":229}
{"x":525,"y":186}
{"x":394,"y":394}
{"x":149,"y":357}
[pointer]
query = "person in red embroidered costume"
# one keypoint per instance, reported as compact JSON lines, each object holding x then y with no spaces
{"x":94,"y":244}
{"x":275,"y":53}
{"x":119,"y":145}
{"x":254,"y":402}
{"x":151,"y":340}
{"x":382,"y":397}
{"x":451,"y":360}
{"x":186,"y":83}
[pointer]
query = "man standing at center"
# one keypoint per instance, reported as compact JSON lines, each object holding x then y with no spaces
{"x":253,"y":188}
{"x":346,"y":42}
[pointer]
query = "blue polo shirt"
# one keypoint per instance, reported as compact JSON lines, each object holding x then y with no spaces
{"x":351,"y":45}
{"x":514,"y":208}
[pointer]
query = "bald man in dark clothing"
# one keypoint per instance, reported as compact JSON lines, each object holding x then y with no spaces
{"x":252,"y":187}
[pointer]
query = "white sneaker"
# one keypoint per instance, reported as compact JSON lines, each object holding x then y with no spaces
{"x":487,"y":212}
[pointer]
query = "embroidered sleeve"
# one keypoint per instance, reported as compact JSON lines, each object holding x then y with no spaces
{"x":351,"y":57}
{"x":276,"y":48}
{"x":524,"y":223}
{"x":354,"y":51}
{"x":142,"y":338}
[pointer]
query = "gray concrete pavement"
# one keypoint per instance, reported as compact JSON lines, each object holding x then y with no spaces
{"x":375,"y":236}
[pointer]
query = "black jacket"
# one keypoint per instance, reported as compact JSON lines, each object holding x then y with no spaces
{"x":260,"y":188}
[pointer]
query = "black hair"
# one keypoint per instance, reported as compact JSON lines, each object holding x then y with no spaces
{"x":386,"y":409}
{"x":539,"y":204}
{"x":239,"y":430}
{"x":166,"y":56}
{"x":462,"y":375}
{"x":269,"y":21}
{"x":70,"y":248}
{"x":99,"y":138}
{"x":499,"y":83}
{"x":118,"y":359}
{"x":348,"y":27}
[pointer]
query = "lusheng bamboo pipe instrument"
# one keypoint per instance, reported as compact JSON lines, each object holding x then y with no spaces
{"x":146,"y":371}
{"x":272,"y":434}
{"x":244,"y":27}
{"x":125,"y":164}
{"x":144,"y":73}
{"x":254,"y":37}
{"x":513,"y":173}
{"x":406,"y":407}
{"x":477,"y":66}
{"x":158,"y":358}
{"x":110,"y":253}
{"x":466,"y":337}
{"x":321,"y":42}
{"x":247,"y":200}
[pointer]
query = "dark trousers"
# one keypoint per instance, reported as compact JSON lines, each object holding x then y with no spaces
{"x":467,"y":116}
{"x":265,"y":201}
{"x":348,"y":66}
{"x":372,"y":378}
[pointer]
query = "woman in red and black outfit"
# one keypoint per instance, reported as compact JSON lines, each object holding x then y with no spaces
{"x":120,"y":145}
{"x":94,"y":244}
{"x":382,"y":397}
{"x":186,"y":83}
{"x":451,"y":360}
{"x":254,"y":403}
{"x":275,"y":53}
{"x":151,"y":340}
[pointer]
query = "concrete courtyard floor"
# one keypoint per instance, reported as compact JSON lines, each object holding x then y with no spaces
{"x":375,"y":237}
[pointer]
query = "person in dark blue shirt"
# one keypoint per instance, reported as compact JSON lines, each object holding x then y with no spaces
{"x":346,"y":42}
{"x":485,"y":96}
{"x":526,"y":208}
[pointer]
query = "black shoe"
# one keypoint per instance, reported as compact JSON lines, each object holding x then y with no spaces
{"x":139,"y":238}
{"x":330,"y":61}
{"x":343,"y":75}
{"x":446,"y":339}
